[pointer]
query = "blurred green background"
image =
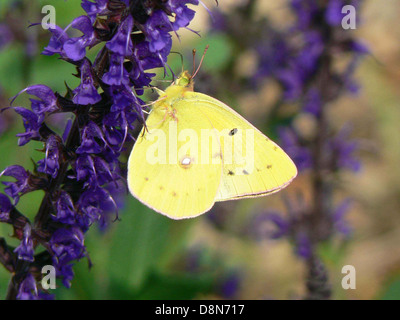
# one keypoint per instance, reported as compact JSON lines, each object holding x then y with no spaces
{"x":148,"y":256}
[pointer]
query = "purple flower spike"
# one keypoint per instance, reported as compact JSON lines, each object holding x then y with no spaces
{"x":80,"y":174}
{"x":25,"y":250}
{"x":86,"y":93}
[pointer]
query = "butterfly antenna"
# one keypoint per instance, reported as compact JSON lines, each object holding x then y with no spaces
{"x":201,"y":61}
{"x":194,"y":61}
{"x":172,"y":72}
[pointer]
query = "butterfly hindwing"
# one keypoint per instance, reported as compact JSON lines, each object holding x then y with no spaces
{"x":253,"y":165}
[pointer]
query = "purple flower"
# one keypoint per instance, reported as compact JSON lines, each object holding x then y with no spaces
{"x":67,"y":246}
{"x":303,"y":246}
{"x":28,"y":289}
{"x":6,"y":36}
{"x":307,"y":59}
{"x":25,"y":250}
{"x":340,"y":224}
{"x":93,"y":170}
{"x":281,"y":226}
{"x":292,"y":83}
{"x":90,"y":134}
{"x":183,"y":15}
{"x":157,"y":31}
{"x":65,"y":210}
{"x":56,"y":43}
{"x":117,"y":74}
{"x":51,"y":163}
{"x":291,"y":144}
{"x":5,"y":208}
{"x":333,"y":12}
{"x":149,"y":59}
{"x":121,"y":43}
{"x":305,"y":11}
{"x":75,"y":48}
{"x":86,"y":93}
{"x":93,"y":9}
{"x":32,"y":125}
{"x":47,"y":102}
{"x":20,"y":186}
{"x":313,"y":102}
{"x":230,"y":286}
{"x":343,"y":150}
{"x":94,"y":203}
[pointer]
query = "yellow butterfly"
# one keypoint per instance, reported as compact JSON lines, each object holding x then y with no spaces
{"x":195,"y":150}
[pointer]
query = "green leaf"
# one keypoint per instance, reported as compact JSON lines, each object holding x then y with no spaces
{"x":167,"y":286}
{"x":392,"y":291}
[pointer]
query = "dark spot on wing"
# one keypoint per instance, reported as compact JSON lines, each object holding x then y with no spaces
{"x":231,"y":173}
{"x":275,"y":148}
{"x":147,"y":179}
{"x":233,"y":131}
{"x":269,"y":166}
{"x":174,"y":194}
{"x":161,"y":188}
{"x":245,"y":172}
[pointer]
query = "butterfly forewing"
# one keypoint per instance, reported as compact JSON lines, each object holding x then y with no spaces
{"x":169,"y":168}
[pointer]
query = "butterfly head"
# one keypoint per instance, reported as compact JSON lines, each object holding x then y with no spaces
{"x":185,"y":80}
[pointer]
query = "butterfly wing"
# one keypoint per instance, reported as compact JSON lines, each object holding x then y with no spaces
{"x":253,"y":165}
{"x":165,"y":171}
